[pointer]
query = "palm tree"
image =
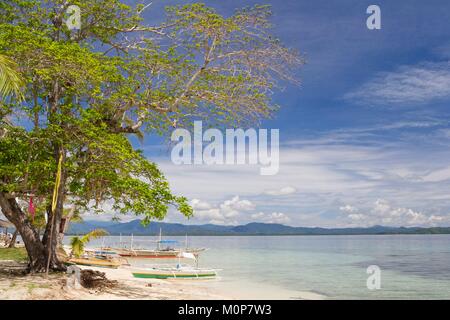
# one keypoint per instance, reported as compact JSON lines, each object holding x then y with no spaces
{"x":78,"y":243}
{"x":10,"y":80}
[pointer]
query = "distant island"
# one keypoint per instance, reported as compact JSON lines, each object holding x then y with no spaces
{"x":252,"y":229}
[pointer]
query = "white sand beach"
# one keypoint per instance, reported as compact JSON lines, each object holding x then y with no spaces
{"x":37,"y":287}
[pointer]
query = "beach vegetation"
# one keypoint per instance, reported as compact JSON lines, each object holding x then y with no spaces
{"x":78,"y":243}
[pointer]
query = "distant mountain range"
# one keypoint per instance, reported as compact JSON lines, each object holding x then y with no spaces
{"x":135,"y":227}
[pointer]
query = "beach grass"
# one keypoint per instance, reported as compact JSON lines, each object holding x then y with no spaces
{"x":15,"y":254}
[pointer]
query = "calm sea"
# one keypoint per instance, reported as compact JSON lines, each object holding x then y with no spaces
{"x":412,"y":266}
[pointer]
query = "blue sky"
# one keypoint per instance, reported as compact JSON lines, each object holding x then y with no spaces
{"x":364,"y":140}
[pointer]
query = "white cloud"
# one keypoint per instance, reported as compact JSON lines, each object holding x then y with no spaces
{"x":356,"y":216}
{"x":274,"y":217}
{"x":416,"y":84}
{"x":348,"y":208}
{"x":281,"y":192}
{"x":383,"y":213}
{"x":236,"y":204}
{"x":210,"y":214}
{"x":438,"y":175}
{"x":197,"y":204}
{"x":278,"y":217}
{"x":224,"y":213}
{"x":258,"y":216}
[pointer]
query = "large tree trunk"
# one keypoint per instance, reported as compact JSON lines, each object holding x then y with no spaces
{"x":37,"y":251}
{"x":51,"y":234}
{"x":53,"y":244}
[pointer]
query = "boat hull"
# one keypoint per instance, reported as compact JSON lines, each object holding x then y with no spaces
{"x":151,"y":255}
{"x":175,"y":274}
{"x":93,"y":262}
{"x":155,"y":254}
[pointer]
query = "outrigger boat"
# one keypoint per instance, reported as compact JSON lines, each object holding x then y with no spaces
{"x":160,"y":252}
{"x":165,"y":250}
{"x":98,"y":258}
{"x":176,"y":272}
{"x":180,"y":272}
{"x":96,"y":262}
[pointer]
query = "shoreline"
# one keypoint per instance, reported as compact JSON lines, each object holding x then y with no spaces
{"x":39,"y":287}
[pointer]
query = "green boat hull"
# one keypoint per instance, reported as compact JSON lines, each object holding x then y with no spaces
{"x":172,"y":276}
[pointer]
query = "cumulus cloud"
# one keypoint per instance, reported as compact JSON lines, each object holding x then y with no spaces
{"x":224,"y":213}
{"x":274,"y":217}
{"x":349,"y":209}
{"x":236,"y":204}
{"x":384,"y":213}
{"x":415,"y":84}
{"x":197,"y":204}
{"x":281,"y":192}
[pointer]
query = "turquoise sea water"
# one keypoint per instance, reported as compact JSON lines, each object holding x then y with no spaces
{"x":412,"y":266}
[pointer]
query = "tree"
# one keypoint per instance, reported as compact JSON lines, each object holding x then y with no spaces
{"x":88,"y":90}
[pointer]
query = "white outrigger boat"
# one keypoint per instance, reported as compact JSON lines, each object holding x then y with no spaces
{"x":175,"y":272}
{"x":164,"y":249}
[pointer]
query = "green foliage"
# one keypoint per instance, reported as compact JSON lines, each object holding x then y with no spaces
{"x":78,"y":243}
{"x":39,"y":220}
{"x":77,"y":246}
{"x":10,"y":81}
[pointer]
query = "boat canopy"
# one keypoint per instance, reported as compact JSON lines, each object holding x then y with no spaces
{"x":167,"y":241}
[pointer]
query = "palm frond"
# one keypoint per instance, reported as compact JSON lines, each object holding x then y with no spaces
{"x":10,"y":81}
{"x":77,"y":246}
{"x":94,"y":234}
{"x":78,"y":243}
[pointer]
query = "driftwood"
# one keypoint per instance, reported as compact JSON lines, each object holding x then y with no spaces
{"x":95,"y":280}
